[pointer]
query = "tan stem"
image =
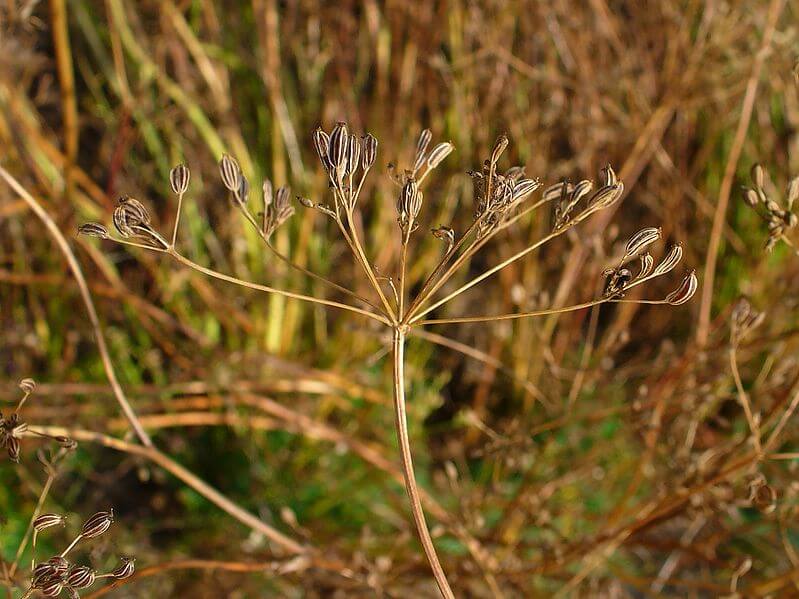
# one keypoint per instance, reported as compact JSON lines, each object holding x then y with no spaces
{"x":401,"y":421}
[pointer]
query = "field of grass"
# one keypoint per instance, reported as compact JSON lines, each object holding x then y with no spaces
{"x":623,"y":449}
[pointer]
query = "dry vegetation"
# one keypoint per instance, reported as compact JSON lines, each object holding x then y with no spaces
{"x":585,"y":444}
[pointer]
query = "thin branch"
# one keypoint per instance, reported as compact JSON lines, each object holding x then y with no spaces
{"x":94,"y":320}
{"x":743,"y":398}
{"x":290,"y":294}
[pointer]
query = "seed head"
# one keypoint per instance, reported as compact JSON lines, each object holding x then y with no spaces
{"x":97,"y":524}
{"x":179,"y":179}
{"x":80,"y":577}
{"x":93,"y":230}
{"x":46,"y":521}
{"x":685,"y":291}
{"x":27,"y":385}
{"x":641,"y":240}
{"x":125,"y":569}
{"x":230,"y":172}
{"x":369,"y":154}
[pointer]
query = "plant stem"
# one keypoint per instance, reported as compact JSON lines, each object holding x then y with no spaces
{"x":401,"y":421}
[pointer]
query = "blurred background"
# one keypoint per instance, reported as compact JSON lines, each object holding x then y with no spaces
{"x":599,"y":453}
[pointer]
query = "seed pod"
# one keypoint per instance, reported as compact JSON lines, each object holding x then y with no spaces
{"x":581,"y":189}
{"x":758,"y":176}
{"x":46,"y":521}
{"x":644,"y":238}
{"x":129,"y":214}
{"x":321,"y":143}
{"x":43,"y":573}
{"x":27,"y":385}
{"x":339,"y":140}
{"x":499,"y":147}
{"x":267,"y":191}
{"x":409,"y":204}
{"x":179,"y":179}
{"x":671,"y":260}
{"x":242,"y":194}
{"x":51,"y":587}
{"x":608,"y":176}
{"x":93,"y":230}
{"x":438,"y":153}
{"x":685,"y":291}
{"x":369,"y":151}
{"x":125,"y":569}
{"x":59,"y":564}
{"x":524,"y":187}
{"x":647,"y":263}
{"x":421,"y":149}
{"x":97,"y":524}
{"x":305,"y":202}
{"x":553,"y":192}
{"x":750,"y":196}
{"x":606,"y":196}
{"x":230,"y":172}
{"x":353,"y":154}
{"x":13,"y":448}
{"x":80,"y":577}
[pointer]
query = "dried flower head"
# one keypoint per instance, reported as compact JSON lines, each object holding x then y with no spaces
{"x":230,"y":172}
{"x":125,"y":568}
{"x":179,"y":178}
{"x":779,"y":217}
{"x":46,"y":521}
{"x":131,"y":219}
{"x":277,"y":210}
{"x":97,"y":524}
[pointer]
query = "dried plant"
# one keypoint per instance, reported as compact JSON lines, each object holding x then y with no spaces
{"x":779,"y":217}
{"x":500,"y":200}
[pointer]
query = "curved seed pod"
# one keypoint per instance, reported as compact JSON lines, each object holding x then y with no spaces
{"x":606,"y":196}
{"x":242,"y":194}
{"x":13,"y":448}
{"x":369,"y":151}
{"x":80,"y":577}
{"x":42,"y":574}
{"x":438,"y":153}
{"x":93,"y":230}
{"x":581,"y":189}
{"x":46,"y":521}
{"x":97,"y":524}
{"x":644,"y":238}
{"x":750,"y":196}
{"x":685,"y":291}
{"x":647,"y":264}
{"x":408,"y":205}
{"x":499,"y":147}
{"x":179,"y":179}
{"x":523,"y":188}
{"x":59,"y":564}
{"x":267,"y":191}
{"x":305,"y":202}
{"x":421,"y":148}
{"x":608,"y":176}
{"x":321,"y":143}
{"x":554,"y":192}
{"x":27,"y":385}
{"x":51,"y":587}
{"x":671,"y":260}
{"x":339,"y":140}
{"x":125,"y":569}
{"x":758,"y":176}
{"x":353,"y":154}
{"x":231,"y":172}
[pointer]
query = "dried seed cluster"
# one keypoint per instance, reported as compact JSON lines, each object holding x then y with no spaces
{"x":779,"y":218}
{"x":13,"y":428}
{"x":620,"y":278}
{"x":56,"y":575}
